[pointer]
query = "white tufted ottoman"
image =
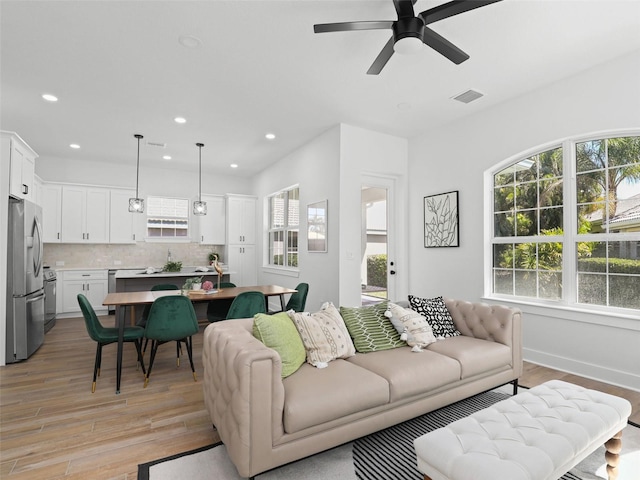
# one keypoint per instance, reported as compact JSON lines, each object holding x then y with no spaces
{"x":539,"y":434}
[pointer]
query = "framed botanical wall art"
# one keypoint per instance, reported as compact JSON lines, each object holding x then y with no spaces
{"x":317,"y":226}
{"x":441,"y":227}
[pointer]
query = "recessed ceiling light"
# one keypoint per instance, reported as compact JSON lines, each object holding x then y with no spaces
{"x":189,"y":41}
{"x":234,"y":165}
{"x":404,"y":106}
{"x":180,"y":120}
{"x":74,"y":145}
{"x":270,"y":136}
{"x":166,"y":157}
{"x":49,"y":98}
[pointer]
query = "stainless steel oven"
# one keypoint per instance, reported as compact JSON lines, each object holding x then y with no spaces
{"x":50,"y":280}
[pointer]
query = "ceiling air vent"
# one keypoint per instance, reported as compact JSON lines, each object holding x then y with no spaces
{"x":156,"y":144}
{"x":468,"y":96}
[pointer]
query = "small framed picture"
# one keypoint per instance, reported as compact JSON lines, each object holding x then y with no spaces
{"x":317,"y":226}
{"x":441,"y":227}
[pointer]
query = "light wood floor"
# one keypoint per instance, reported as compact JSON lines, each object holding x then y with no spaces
{"x":53,"y":427}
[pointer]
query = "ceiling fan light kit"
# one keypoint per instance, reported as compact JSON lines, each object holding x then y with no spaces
{"x":408,"y":35}
{"x":410,"y":31}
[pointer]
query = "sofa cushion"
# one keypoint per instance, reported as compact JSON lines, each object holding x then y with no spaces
{"x":370,"y":329}
{"x":416,"y":327}
{"x":315,"y":396}
{"x":279,"y":333}
{"x":324,"y":335}
{"x":410,"y":373}
{"x":475,"y":356}
{"x":436,"y":313}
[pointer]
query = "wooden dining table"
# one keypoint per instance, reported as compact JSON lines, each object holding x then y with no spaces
{"x":122,"y":300}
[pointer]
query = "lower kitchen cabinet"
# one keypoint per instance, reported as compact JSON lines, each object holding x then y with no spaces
{"x":91,"y":283}
{"x":242,"y":262}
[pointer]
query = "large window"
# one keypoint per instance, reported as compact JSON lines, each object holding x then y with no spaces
{"x":572,"y":238}
{"x":167,"y":218}
{"x":284,"y":227}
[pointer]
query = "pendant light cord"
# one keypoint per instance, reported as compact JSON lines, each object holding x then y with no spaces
{"x":200,"y":145}
{"x":138,"y":136}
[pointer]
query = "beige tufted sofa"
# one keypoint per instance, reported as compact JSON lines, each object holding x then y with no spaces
{"x":265,"y":421}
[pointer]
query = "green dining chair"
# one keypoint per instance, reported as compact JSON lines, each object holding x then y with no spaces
{"x":106,"y":335}
{"x":142,"y":322}
{"x":218,"y":309}
{"x":246,"y":305}
{"x":171,"y":318}
{"x":298,"y":300}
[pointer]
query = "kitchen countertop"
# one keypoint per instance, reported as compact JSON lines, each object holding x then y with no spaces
{"x":185,"y":272}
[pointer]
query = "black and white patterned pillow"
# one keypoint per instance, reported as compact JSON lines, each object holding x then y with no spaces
{"x":436,"y":313}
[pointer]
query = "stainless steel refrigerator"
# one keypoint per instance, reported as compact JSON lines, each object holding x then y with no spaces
{"x":25,"y":288}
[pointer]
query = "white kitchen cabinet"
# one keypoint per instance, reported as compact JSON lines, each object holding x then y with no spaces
{"x":242,"y":262}
{"x":85,"y":214}
{"x":121,"y":226}
{"x":37,"y":190}
{"x":91,"y":283}
{"x":51,"y":201}
{"x":21,"y":166}
{"x":213,"y":224}
{"x":241,"y":220}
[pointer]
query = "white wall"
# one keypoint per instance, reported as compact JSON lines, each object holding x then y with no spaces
{"x":455,"y":157}
{"x":315,"y":168}
{"x":167,"y":181}
{"x":4,"y":230}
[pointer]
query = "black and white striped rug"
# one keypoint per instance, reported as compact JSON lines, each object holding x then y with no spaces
{"x":389,"y":454}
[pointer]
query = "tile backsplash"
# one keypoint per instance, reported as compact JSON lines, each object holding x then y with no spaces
{"x":141,"y":254}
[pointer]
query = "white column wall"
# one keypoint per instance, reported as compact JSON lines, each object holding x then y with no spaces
{"x":315,"y":168}
{"x":364,"y":152}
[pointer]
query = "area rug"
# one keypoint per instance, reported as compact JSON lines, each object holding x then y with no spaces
{"x":384,"y":455}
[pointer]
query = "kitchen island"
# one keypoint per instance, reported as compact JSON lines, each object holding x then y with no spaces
{"x":139,"y":280}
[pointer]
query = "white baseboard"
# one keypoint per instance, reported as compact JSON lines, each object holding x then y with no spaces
{"x":587,"y":370}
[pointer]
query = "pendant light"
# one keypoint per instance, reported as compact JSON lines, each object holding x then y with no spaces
{"x":136,"y":205}
{"x":199,"y":207}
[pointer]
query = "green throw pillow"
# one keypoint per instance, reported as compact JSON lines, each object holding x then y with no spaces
{"x":370,"y":329}
{"x":279,"y":333}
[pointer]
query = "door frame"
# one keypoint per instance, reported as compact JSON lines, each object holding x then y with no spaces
{"x":390,"y":184}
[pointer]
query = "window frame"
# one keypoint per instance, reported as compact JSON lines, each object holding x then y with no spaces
{"x":285,"y":231}
{"x":172,"y":239}
{"x":570,"y":237}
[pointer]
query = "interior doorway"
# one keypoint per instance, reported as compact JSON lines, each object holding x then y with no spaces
{"x":376,"y":267}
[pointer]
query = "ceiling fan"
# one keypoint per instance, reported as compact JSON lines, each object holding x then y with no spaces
{"x":410,"y":31}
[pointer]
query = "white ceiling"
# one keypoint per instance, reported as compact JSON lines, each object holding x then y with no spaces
{"x":118,"y":69}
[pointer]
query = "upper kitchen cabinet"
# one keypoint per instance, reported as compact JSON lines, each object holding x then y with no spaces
{"x":85,"y":214}
{"x":213,"y":224}
{"x":51,"y":201}
{"x":241,"y":220}
{"x":21,"y":166}
{"x":37,"y":190}
{"x":121,"y":226}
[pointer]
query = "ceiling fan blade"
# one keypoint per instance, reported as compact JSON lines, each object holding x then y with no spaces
{"x":444,"y":46}
{"x":450,"y":9}
{"x":382,"y":58}
{"x":404,"y":8}
{"x":351,"y":26}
